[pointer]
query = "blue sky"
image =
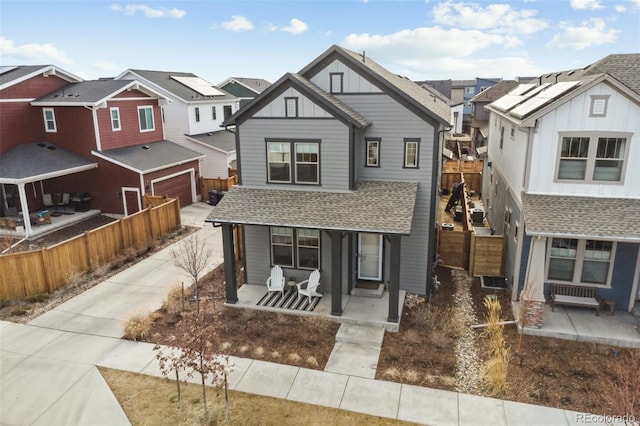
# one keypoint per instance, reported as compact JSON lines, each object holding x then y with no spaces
{"x":265,"y":39}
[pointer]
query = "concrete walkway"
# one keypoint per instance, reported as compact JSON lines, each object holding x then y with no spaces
{"x":48,"y":373}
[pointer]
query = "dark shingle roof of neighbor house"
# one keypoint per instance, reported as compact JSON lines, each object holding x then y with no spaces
{"x":14,"y":73}
{"x":589,"y":217}
{"x":334,"y":105}
{"x":152,"y":156}
{"x":495,"y":92}
{"x":427,"y":99}
{"x":256,"y":84}
{"x":89,"y":92}
{"x":40,"y":160}
{"x":221,"y":139}
{"x":382,"y":207}
{"x":163,"y":79}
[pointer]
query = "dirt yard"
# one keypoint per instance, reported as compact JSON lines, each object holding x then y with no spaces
{"x":435,"y":346}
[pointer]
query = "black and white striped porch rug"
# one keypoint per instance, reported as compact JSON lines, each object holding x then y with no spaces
{"x":288,"y":301}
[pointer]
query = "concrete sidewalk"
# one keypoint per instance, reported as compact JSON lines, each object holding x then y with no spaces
{"x":48,"y":373}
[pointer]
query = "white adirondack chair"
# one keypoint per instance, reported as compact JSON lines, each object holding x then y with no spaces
{"x":311,"y":285}
{"x":276,"y":281}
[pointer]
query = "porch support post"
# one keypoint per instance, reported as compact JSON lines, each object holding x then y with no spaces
{"x":24,"y":205}
{"x":336,"y":273}
{"x":231,"y":287}
{"x":394,"y":278}
{"x":532,"y":298}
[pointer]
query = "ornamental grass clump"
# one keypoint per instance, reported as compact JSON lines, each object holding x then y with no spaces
{"x":137,"y":326}
{"x":494,"y":370}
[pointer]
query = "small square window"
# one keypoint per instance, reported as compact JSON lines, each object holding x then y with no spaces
{"x":145,"y":118}
{"x":291,"y":107}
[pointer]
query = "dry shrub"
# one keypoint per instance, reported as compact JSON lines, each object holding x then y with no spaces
{"x":282,"y":318}
{"x":440,"y":339}
{"x":275,"y":355}
{"x":259,"y":352}
{"x":312,"y":362}
{"x":411,"y":337}
{"x":137,"y":326}
{"x":293,"y":357}
{"x":411,"y":376}
{"x":244,"y":348}
{"x":391,"y":373}
{"x":74,"y":278}
{"x":129,"y":254}
{"x":622,"y":386}
{"x":226,"y":345}
{"x":494,"y":371}
{"x":173,"y":301}
{"x":316,"y":322}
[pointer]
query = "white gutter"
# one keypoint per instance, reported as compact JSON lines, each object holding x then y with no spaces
{"x":616,"y":238}
{"x":50,"y":175}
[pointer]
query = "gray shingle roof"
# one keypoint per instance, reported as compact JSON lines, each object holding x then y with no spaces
{"x":163,"y":79}
{"x":382,"y":207}
{"x":152,"y":156}
{"x":591,"y":217}
{"x":223,"y":140}
{"x":257,"y":84}
{"x":15,"y":73}
{"x":623,"y":67}
{"x":34,"y":160}
{"x":430,"y":100}
{"x":495,"y":92}
{"x":85,"y":92}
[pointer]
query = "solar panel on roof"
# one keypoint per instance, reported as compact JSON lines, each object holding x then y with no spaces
{"x":7,"y":69}
{"x":521,"y":89}
{"x":544,"y":97}
{"x":510,"y":100}
{"x":199,"y":85}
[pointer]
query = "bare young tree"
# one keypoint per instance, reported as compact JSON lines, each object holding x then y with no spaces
{"x":191,"y":256}
{"x":171,"y":359}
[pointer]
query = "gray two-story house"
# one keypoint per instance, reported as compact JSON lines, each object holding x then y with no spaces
{"x":337,"y":172}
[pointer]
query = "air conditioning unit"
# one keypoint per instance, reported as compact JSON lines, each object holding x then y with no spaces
{"x":457,"y":216}
{"x":447,"y":226}
{"x":477,"y":215}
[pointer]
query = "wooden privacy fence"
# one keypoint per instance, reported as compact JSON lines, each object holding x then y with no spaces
{"x":485,"y":254}
{"x":217,"y":184}
{"x":45,"y":270}
{"x":453,"y":248}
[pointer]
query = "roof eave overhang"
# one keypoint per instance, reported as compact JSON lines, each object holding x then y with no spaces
{"x":618,"y":238}
{"x":50,"y":175}
{"x":45,"y":71}
{"x":308,"y":226}
{"x":210,"y":146}
{"x":137,"y":170}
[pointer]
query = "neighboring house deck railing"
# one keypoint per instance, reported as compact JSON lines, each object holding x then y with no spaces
{"x":45,"y":270}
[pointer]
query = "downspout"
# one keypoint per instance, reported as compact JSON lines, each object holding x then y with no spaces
{"x":527,"y":166}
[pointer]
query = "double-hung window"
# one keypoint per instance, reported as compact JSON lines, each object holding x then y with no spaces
{"x":581,"y":261}
{"x":295,"y":248}
{"x":593,"y":158}
{"x":213,"y":112}
{"x":373,"y":153}
{"x":411,"y":151}
{"x":115,"y":119}
{"x":197,"y":110}
{"x":293,"y":162}
{"x":49,"y":120}
{"x":145,"y":117}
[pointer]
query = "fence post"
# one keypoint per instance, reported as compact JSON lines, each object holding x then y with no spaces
{"x":48,"y":279}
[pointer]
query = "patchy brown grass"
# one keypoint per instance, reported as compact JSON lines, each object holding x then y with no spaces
{"x":150,"y":400}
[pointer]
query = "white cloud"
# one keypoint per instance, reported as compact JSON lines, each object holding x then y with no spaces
{"x":620,"y":8}
{"x":41,"y":53}
{"x":296,"y":26}
{"x":238,"y":23}
{"x":149,"y":12}
{"x":499,"y":18}
{"x":593,"y":32}
{"x":586,"y":4}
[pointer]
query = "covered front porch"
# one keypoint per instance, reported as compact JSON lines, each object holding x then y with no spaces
{"x":336,"y":218}
{"x":359,"y":310}
{"x":57,"y":222}
{"x":582,"y":325}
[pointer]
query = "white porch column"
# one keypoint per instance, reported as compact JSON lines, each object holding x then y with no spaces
{"x":532,"y":298}
{"x":25,"y":209}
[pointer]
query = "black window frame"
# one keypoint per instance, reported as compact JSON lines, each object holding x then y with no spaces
{"x":197,"y":112}
{"x":407,"y":141}
{"x":213,"y":112}
{"x":227,"y":111}
{"x":293,"y":170}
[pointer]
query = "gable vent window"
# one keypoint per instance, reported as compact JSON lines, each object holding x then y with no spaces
{"x":291,"y":107}
{"x":336,"y":82}
{"x":599,"y":106}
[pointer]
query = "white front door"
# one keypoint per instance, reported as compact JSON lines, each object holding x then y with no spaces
{"x":370,"y":257}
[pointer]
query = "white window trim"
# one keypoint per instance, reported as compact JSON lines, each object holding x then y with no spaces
{"x":577,"y":270}
{"x":596,"y":98}
{"x":295,"y":163}
{"x":117,"y":111}
{"x":591,"y":156}
{"x":46,"y":120}
{"x":415,"y":142}
{"x":269,"y":179}
{"x":153,"y":121}
{"x":368,"y":143}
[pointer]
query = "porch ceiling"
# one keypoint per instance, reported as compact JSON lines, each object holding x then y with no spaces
{"x":31,"y":162}
{"x":590,"y":217}
{"x":376,"y":207}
